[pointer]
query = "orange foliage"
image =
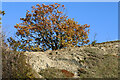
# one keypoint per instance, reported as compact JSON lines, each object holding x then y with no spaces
{"x":48,"y":26}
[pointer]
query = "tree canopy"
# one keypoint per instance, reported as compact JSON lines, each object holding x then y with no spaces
{"x":47,"y":27}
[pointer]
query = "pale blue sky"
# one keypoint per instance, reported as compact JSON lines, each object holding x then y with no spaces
{"x":102,"y":16}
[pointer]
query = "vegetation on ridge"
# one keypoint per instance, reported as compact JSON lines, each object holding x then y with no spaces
{"x":47,"y":27}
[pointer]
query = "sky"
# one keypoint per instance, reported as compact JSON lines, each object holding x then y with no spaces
{"x":101,"y":16}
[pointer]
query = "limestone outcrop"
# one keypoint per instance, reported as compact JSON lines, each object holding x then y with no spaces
{"x":84,"y":61}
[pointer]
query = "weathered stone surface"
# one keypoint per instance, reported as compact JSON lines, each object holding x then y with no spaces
{"x":73,"y":59}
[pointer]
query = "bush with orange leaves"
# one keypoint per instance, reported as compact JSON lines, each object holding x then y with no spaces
{"x":47,"y":27}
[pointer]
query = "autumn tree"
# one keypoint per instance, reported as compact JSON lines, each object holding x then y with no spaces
{"x":1,"y":13}
{"x":47,"y":27}
{"x":2,"y":35}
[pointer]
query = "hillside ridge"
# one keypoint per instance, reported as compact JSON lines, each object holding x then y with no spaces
{"x":73,"y":59}
{"x":88,"y":61}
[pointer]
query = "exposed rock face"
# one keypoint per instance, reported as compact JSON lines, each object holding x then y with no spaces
{"x":78,"y":60}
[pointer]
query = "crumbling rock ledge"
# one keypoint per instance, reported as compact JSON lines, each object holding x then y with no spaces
{"x":96,"y":61}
